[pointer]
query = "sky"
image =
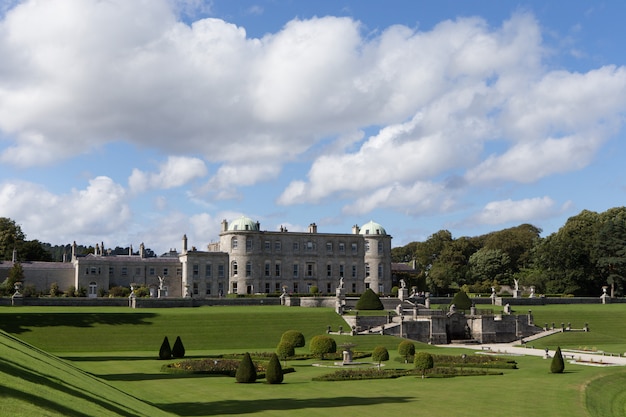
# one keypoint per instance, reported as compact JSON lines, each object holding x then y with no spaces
{"x":130,"y":121}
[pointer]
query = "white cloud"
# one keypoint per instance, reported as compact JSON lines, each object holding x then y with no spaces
{"x":506,"y":211}
{"x":175,"y":172}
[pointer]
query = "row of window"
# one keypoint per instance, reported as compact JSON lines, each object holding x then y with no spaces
{"x":307,"y":246}
{"x":310,"y":270}
{"x":124,"y":271}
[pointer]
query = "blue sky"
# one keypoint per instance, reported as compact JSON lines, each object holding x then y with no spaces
{"x":140,"y":121}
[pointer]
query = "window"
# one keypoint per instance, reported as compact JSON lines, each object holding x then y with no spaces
{"x":353,"y":287}
{"x":277,"y":246}
{"x":277,"y":269}
{"x":234,"y":268}
{"x":329,"y":246}
{"x":295,"y":270}
{"x":208,"y":290}
{"x":380,"y":270}
{"x":328,"y":288}
{"x":355,"y":248}
{"x":329,"y":270}
{"x":196,"y":271}
{"x":220,"y":270}
{"x":124,"y":271}
{"x":94,"y":270}
{"x":112,"y":270}
{"x":93,"y":290}
{"x":208,"y":271}
{"x":166,"y":272}
{"x":341,"y":270}
{"x":367,"y":270}
{"x":195,"y":288}
{"x":248,"y":245}
{"x":380,"y":247}
{"x":367,"y":285}
{"x":267,"y":287}
{"x":233,"y":243}
{"x":267,"y":269}
{"x":234,"y":288}
{"x":248,"y":269}
{"x":277,"y":287}
{"x":309,"y":245}
{"x":353,"y":271}
{"x":295,"y":287}
{"x":342,"y":247}
{"x":367,"y":246}
{"x":309,"y":270}
{"x":151,"y":271}
{"x":296,"y":246}
{"x":268,"y":246}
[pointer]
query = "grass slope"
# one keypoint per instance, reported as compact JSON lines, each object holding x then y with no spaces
{"x":35,"y":383}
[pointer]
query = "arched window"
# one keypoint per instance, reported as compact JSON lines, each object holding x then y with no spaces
{"x":234,"y":268}
{"x":233,"y":242}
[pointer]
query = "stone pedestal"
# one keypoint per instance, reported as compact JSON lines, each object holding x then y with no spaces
{"x":403,"y":294}
{"x":517,"y":294}
{"x":340,"y":300}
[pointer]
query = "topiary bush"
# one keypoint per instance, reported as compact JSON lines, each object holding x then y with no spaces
{"x":322,"y":344}
{"x":423,"y":361}
{"x":557,"y":366}
{"x":406,"y":349}
{"x":380,"y":354}
{"x":178,"y":350}
{"x":274,"y":372}
{"x":294,"y":337}
{"x":246,"y":372}
{"x":285,"y":350}
{"x":461,"y":301}
{"x":369,"y":301}
{"x":166,"y":351}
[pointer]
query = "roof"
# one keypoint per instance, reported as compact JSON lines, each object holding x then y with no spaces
{"x":242,"y":224}
{"x":372,"y":228}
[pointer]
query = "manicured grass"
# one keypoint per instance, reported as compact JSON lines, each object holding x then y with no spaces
{"x":119,"y":346}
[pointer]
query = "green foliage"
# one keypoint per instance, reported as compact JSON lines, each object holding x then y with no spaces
{"x":406,"y":349}
{"x":461,"y":301}
{"x":321,"y":345}
{"x":423,"y":361}
{"x":178,"y":350}
{"x":71,"y":291}
{"x":274,"y":372}
{"x":285,"y":350}
{"x":314,"y":289}
{"x":490,"y":264}
{"x":165,"y":352}
{"x":246,"y":372}
{"x":380,"y":354}
{"x":54,"y":289}
{"x":119,"y":291}
{"x":293,"y":337}
{"x":369,"y":301}
{"x":557,"y":366}
{"x":11,"y":237}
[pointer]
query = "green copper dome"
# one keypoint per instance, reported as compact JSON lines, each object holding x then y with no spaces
{"x":372,"y":228}
{"x":242,"y":224}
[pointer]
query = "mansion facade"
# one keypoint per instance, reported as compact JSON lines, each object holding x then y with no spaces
{"x":246,"y":260}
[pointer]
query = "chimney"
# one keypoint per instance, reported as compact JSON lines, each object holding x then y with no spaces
{"x":312,"y":228}
{"x":355,"y":229}
{"x":224,"y":225}
{"x":184,"y":244}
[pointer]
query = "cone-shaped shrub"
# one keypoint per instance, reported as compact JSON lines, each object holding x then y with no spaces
{"x":178,"y":350}
{"x":380,"y":354}
{"x":423,"y":361}
{"x":322,"y":344}
{"x":246,"y":372}
{"x":557,"y":366}
{"x":461,"y":301}
{"x":369,"y":301}
{"x":406,"y":349}
{"x":274,"y":372}
{"x":294,"y":337}
{"x":166,"y":351}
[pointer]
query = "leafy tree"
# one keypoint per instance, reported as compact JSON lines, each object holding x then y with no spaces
{"x":33,"y":250}
{"x":285,"y":350}
{"x":246,"y":371}
{"x":380,"y":354}
{"x":609,"y":250}
{"x":461,"y":301}
{"x":423,"y":361}
{"x":491,"y":264}
{"x":294,"y":337}
{"x":178,"y":350}
{"x":406,"y":349}
{"x":11,"y":237}
{"x":274,"y":372}
{"x":557,"y":366}
{"x":321,"y":345}
{"x":16,"y":274}
{"x":516,"y":242}
{"x":369,"y":300}
{"x":165,"y":352}
{"x":313,"y":289}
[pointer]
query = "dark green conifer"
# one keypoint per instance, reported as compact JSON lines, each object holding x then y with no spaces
{"x":461,"y":301}
{"x":557,"y":366}
{"x":178,"y":350}
{"x":369,"y":301}
{"x":246,"y":372}
{"x":166,"y":351}
{"x":274,"y":372}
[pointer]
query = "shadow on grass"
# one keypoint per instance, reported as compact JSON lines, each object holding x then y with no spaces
{"x":279,"y":404}
{"x":17,"y":323}
{"x":6,"y":393}
{"x":151,"y":377}
{"x":120,"y":358}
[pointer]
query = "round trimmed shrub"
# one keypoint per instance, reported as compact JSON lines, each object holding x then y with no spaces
{"x":557,"y":366}
{"x":165,"y":352}
{"x":423,"y":361}
{"x":246,"y":372}
{"x":461,"y":301}
{"x":178,"y":350}
{"x":380,"y":354}
{"x":274,"y":372}
{"x":406,"y":349}
{"x":285,"y":350}
{"x":322,"y":344}
{"x":369,"y":301}
{"x":294,"y":337}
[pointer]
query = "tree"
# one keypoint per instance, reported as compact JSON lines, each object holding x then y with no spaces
{"x":285,"y":350}
{"x":557,"y":366}
{"x":380,"y":354}
{"x":461,"y":301}
{"x":406,"y":349}
{"x":178,"y":350}
{"x":369,"y":300}
{"x":246,"y":371}
{"x":322,"y":344}
{"x":274,"y":372}
{"x":11,"y":237}
{"x":490,"y":264}
{"x":166,"y":351}
{"x":423,"y":361}
{"x":294,"y":337}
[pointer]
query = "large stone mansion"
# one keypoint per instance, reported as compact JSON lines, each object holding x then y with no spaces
{"x":246,"y":260}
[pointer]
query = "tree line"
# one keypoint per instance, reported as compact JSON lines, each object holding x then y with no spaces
{"x":585,"y":254}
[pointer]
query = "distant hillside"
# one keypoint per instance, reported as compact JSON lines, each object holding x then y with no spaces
{"x":35,"y":383}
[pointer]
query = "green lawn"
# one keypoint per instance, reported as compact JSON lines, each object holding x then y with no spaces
{"x":119,"y":347}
